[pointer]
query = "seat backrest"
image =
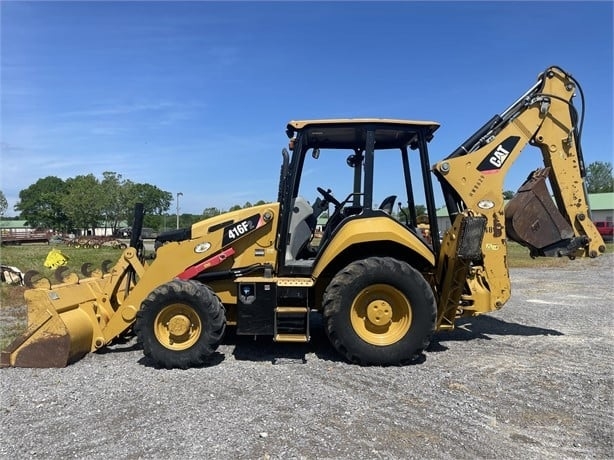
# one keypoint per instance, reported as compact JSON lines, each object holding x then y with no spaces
{"x":388,"y":204}
{"x":302,"y":226}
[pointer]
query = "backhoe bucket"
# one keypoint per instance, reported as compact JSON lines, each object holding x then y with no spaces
{"x":533,"y":220}
{"x":56,"y":335}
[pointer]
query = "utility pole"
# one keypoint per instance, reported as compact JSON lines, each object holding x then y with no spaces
{"x":178,"y":195}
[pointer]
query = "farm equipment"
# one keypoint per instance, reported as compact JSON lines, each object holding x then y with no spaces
{"x":381,"y":288}
{"x":96,"y":242}
{"x":19,"y":237}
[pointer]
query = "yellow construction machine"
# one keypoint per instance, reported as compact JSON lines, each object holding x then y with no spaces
{"x":381,"y":288}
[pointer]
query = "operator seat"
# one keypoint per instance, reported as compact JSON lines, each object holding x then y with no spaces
{"x":388,"y":204}
{"x":301,"y":228}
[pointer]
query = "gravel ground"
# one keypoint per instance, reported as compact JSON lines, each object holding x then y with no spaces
{"x":534,"y":380}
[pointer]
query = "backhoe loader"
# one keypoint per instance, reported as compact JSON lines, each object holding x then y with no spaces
{"x":381,"y":288}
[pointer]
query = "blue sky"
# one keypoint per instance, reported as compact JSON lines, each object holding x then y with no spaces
{"x":194,"y":97}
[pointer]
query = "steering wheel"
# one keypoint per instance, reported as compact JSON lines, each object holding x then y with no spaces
{"x":328,"y":196}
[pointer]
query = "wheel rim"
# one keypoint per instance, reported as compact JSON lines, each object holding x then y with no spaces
{"x":177,"y":327}
{"x":381,"y":315}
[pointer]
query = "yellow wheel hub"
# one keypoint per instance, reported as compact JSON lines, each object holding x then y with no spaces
{"x":177,"y":327}
{"x":379,"y":312}
{"x":381,"y":315}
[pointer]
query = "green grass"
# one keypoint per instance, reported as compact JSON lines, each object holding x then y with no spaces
{"x":32,"y":256}
{"x":518,"y":257}
{"x":14,"y":322}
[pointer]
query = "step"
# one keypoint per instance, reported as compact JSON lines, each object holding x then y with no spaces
{"x":291,"y":324}
{"x":296,"y":338}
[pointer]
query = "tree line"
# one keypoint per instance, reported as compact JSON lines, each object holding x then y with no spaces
{"x":86,"y":202}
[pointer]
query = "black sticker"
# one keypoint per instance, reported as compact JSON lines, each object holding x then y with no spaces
{"x":497,"y":157}
{"x":239,"y":229}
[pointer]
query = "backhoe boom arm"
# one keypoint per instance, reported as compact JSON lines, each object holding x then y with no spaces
{"x":472,"y":180}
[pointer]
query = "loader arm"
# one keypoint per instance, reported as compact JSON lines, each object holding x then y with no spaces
{"x":472,"y":178}
{"x":78,"y":316}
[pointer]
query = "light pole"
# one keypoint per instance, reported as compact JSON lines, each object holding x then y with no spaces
{"x":178,"y":195}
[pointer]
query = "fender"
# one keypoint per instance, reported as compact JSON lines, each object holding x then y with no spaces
{"x":366,"y":230}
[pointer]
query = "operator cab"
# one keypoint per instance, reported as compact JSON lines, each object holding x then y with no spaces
{"x":365,"y":167}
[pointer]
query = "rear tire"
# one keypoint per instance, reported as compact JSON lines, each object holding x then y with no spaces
{"x":180,"y":324}
{"x":379,"y":311}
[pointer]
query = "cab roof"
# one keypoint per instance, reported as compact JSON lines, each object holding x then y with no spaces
{"x":351,"y":132}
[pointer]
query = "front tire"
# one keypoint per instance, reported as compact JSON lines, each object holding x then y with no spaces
{"x":180,"y":324}
{"x":379,"y":311}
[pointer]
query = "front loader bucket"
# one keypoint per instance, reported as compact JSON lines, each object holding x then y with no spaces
{"x":54,"y":337}
{"x":68,"y":320}
{"x":533,"y":220}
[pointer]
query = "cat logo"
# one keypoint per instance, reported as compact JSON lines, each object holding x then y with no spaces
{"x":497,"y":157}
